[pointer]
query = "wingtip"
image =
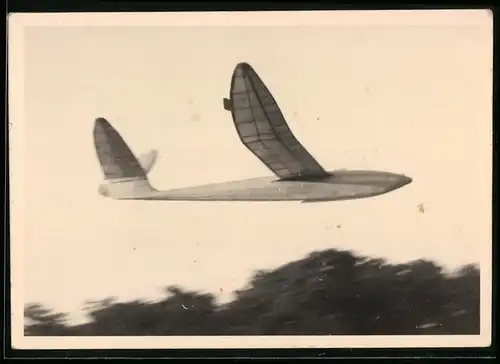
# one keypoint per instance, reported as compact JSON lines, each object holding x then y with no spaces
{"x":100,"y":124}
{"x":244,"y":66}
{"x":101,"y":120}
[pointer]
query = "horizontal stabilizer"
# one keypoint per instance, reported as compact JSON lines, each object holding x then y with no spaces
{"x":116,"y":159}
{"x":148,"y":160}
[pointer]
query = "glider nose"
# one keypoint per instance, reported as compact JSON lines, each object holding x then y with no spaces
{"x":404,"y":180}
{"x":407,"y":180}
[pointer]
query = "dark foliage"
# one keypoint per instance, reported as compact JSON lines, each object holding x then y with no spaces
{"x":327,"y":293}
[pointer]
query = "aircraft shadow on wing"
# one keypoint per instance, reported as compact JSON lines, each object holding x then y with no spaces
{"x":263,"y":130}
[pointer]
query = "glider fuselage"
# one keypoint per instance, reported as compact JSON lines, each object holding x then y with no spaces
{"x":340,"y":185}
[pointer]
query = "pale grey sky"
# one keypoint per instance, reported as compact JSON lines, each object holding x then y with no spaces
{"x":412,"y":99}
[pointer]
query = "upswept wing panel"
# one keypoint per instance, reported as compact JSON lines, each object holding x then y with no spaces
{"x":116,"y":158}
{"x":263,"y":129}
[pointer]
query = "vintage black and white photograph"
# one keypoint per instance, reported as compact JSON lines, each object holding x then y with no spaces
{"x":267,"y":179}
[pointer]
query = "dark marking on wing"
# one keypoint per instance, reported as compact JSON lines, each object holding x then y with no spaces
{"x":227,"y":104}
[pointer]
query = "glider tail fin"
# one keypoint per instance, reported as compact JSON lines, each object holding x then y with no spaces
{"x":125,"y":176}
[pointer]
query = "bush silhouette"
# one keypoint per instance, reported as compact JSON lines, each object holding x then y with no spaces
{"x":327,"y":293}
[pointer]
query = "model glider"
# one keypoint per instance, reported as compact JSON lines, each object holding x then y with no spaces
{"x":262,"y":129}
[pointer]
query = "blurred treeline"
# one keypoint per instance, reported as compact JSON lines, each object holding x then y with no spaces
{"x":329,"y":292}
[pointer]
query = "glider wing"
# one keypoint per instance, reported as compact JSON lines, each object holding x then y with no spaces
{"x":263,"y":129}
